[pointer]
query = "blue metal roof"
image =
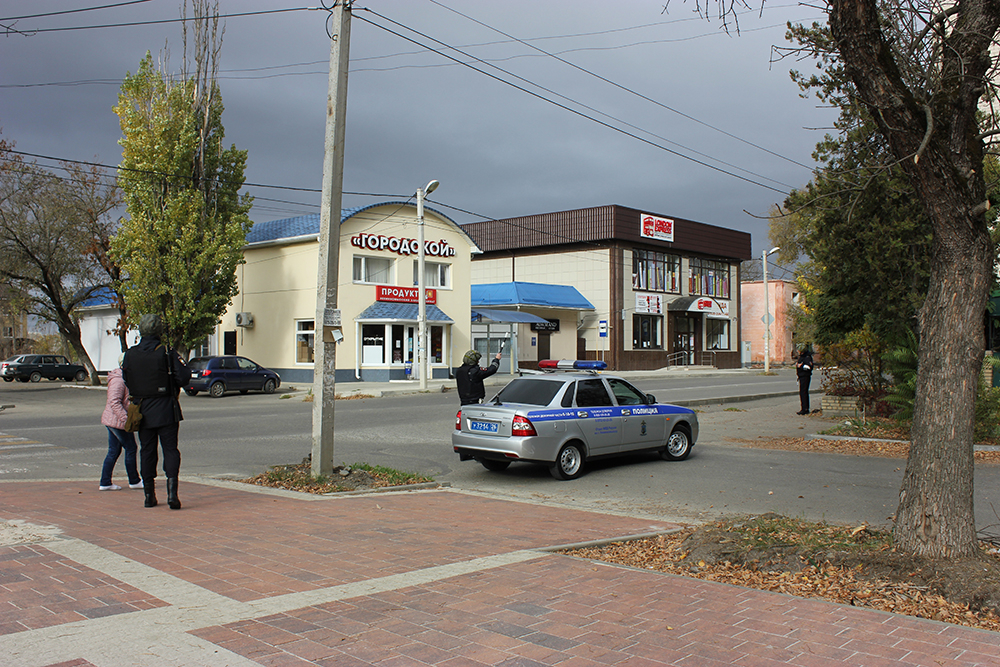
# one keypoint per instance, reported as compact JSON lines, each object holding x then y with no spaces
{"x":407,"y":312}
{"x":529,"y":294}
{"x":306,"y":225}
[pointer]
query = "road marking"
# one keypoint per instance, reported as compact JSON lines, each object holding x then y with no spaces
{"x":9,"y":442}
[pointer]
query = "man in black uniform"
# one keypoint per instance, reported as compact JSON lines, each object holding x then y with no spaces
{"x":804,"y":371}
{"x":470,"y":376}
{"x":154,"y":375}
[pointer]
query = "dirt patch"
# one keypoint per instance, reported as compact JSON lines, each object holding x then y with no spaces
{"x":359,"y":477}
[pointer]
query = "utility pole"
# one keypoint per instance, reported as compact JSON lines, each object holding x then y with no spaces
{"x":327,"y":314}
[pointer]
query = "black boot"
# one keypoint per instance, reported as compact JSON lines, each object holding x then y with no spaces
{"x":149,"y":488}
{"x":172,"y":500}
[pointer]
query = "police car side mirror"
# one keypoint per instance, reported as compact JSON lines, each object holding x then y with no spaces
{"x":650,"y":399}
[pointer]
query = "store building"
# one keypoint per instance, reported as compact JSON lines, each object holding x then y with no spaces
{"x":665,"y":291}
{"x":272,"y":318}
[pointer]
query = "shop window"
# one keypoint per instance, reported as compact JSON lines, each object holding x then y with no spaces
{"x":437,"y":348}
{"x":304,"y":341}
{"x":373,"y":343}
{"x":377,"y":270}
{"x":709,"y":278}
{"x":655,"y":271}
{"x":718,"y":334}
{"x":647,"y":332}
{"x":436,"y":274}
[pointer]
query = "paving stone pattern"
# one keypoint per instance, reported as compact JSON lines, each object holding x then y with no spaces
{"x":241,"y":577}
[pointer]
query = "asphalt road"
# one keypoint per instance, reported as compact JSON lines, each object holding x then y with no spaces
{"x":55,"y":433}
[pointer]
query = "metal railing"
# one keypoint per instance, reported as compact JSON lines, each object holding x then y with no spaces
{"x":673,"y":358}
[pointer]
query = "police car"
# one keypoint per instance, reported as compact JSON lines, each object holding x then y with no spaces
{"x":564,"y":419}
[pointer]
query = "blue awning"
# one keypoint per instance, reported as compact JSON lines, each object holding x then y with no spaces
{"x":479,"y":314}
{"x":528,"y":295}
{"x":383,"y":311}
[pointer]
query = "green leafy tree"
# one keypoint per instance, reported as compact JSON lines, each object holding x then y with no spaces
{"x":182,"y":240}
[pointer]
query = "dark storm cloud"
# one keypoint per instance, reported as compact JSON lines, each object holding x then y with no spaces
{"x":414,"y":115}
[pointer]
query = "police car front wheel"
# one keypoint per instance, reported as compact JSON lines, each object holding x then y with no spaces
{"x":678,"y":445}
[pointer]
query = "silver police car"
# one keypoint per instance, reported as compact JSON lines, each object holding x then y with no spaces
{"x":564,"y":419}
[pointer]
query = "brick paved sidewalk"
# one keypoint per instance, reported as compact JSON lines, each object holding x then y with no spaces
{"x":244,"y":577}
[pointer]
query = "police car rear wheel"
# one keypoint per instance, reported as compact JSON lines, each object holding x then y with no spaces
{"x":678,"y":445}
{"x":569,"y":463}
{"x":494,"y":466}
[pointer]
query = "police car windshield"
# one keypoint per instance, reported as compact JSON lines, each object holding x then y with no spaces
{"x":529,"y":391}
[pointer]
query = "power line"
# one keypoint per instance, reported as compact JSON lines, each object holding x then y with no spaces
{"x":72,"y":11}
{"x":626,"y":89}
{"x":545,"y":99}
{"x":131,"y":24}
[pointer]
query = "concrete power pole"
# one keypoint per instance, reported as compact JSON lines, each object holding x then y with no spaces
{"x":327,"y":315}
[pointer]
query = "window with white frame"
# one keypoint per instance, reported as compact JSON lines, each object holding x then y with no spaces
{"x":436,"y":274}
{"x":305,"y":331}
{"x":376,"y":270}
{"x":717,"y":334}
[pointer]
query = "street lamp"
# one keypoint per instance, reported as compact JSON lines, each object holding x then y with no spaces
{"x":421,"y":297}
{"x":767,"y":310}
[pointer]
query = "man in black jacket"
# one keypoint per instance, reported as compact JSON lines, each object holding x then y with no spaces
{"x":470,"y":376}
{"x":154,"y":375}
{"x":804,"y":371}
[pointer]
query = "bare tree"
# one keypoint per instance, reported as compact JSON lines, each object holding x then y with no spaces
{"x":46,"y":241}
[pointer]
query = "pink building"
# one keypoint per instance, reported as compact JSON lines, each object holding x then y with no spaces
{"x":780,"y":296}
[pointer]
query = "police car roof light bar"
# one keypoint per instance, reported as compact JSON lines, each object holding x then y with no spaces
{"x":571,"y":365}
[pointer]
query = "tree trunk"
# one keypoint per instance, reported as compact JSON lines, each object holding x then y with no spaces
{"x":935,"y":136}
{"x":936,"y":514}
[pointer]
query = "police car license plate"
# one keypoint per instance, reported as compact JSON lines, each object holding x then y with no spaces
{"x":483,"y":427}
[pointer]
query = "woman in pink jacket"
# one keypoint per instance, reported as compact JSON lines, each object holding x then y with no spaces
{"x":115,"y":413}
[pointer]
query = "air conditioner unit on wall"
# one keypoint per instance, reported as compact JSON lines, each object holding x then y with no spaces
{"x":244,"y":319}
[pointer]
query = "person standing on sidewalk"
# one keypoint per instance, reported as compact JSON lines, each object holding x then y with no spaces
{"x":804,"y":370}
{"x":154,"y":375}
{"x":469,"y":377}
{"x":114,"y":416}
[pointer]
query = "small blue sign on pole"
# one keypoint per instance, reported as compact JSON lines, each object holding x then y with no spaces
{"x":602,"y":328}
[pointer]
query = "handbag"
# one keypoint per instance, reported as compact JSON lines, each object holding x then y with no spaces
{"x":133,"y":420}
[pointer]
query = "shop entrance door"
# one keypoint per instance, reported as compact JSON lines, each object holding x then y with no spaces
{"x":544,"y":345}
{"x":686,"y":339}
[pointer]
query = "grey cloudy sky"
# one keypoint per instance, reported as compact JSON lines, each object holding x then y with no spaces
{"x":415,"y":115}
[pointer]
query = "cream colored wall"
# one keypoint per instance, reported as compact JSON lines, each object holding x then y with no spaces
{"x":278,"y":285}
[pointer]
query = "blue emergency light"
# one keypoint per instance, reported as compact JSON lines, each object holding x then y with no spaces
{"x":571,"y":365}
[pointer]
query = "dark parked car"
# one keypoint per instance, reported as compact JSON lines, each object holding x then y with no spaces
{"x":217,"y":375}
{"x":34,"y":367}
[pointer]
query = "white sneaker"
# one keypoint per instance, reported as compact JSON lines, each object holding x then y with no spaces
{"x":135,"y":486}
{"x":113,"y":487}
